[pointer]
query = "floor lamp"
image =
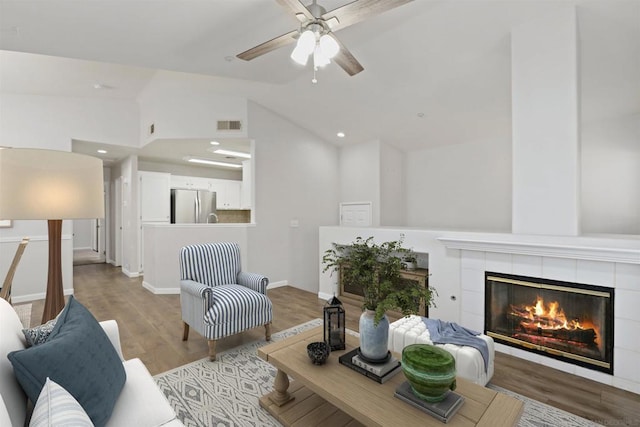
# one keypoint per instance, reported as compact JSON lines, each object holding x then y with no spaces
{"x":51,"y":185}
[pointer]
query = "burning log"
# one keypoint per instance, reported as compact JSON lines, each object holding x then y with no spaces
{"x":584,"y":336}
{"x":543,"y":320}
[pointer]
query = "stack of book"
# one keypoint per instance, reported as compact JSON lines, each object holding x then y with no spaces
{"x":380,"y":372}
{"x":442,"y":410}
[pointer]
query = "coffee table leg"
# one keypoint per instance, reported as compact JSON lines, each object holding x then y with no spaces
{"x":281,"y":396}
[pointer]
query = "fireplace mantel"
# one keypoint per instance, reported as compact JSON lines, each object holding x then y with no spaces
{"x":594,"y":249}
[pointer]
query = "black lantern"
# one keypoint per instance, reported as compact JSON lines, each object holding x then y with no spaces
{"x":334,"y":324}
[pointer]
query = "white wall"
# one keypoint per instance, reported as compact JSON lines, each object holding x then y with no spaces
{"x":184,"y":105}
{"x":463,"y":186}
{"x":130,"y":219}
{"x":53,"y":121}
{"x":392,"y":186}
{"x":545,"y":120}
{"x":82,"y":233}
{"x":611,"y":176}
{"x":296,"y":179}
{"x":360,"y":175}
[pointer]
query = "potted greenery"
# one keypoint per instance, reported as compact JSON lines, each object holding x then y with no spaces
{"x":375,"y":268}
{"x":409,"y":262}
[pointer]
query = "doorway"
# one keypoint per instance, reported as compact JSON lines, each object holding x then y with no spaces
{"x":90,"y":237}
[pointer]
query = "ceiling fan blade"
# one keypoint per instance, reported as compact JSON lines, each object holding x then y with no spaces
{"x":360,"y":10}
{"x":268,"y":46}
{"x":296,"y":7}
{"x":345,"y":59}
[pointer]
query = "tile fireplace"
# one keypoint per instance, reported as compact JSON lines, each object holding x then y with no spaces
{"x":571,"y":322}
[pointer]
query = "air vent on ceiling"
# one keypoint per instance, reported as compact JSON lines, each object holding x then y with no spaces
{"x":229,"y":125}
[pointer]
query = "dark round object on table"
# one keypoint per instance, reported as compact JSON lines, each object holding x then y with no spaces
{"x":318,"y":352}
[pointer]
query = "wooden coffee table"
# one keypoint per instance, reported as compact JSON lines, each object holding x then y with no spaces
{"x":334,"y":395}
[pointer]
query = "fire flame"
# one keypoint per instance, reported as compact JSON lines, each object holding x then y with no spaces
{"x":551,"y":317}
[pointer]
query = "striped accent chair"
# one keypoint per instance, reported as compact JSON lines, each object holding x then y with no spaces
{"x":217,"y":298}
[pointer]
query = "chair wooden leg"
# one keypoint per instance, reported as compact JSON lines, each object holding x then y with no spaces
{"x":267,"y":331}
{"x":185,"y":333}
{"x":212,"y":350}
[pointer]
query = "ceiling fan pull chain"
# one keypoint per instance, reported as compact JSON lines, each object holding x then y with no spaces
{"x":314,"y":80}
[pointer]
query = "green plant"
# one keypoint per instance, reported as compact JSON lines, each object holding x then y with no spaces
{"x":410,"y":258}
{"x":375,"y":268}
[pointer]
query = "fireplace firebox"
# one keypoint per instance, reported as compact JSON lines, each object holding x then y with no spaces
{"x":572,"y":322}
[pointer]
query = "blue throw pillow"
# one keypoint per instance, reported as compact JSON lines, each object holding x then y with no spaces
{"x":79,"y":356}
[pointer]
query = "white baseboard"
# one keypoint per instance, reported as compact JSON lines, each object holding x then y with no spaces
{"x":35,"y":297}
{"x":160,"y":291}
{"x":130,"y":274}
{"x":324,"y":296}
{"x":278,"y":284}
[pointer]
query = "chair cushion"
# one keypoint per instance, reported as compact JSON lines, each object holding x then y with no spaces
{"x":56,"y":407}
{"x":79,"y":356}
{"x":237,"y":308}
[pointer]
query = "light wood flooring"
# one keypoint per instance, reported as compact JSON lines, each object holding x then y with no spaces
{"x":151,"y":329}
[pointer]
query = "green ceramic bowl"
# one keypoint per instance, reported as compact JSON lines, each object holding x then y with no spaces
{"x":430,"y":370}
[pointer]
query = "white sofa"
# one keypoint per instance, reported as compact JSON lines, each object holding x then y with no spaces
{"x":469,"y":362}
{"x":141,"y":403}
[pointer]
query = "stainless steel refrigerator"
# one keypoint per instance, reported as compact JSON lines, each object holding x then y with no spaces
{"x":193,"y":206}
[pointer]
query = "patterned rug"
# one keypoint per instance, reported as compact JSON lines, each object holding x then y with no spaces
{"x":24,"y":313}
{"x":225,"y":393}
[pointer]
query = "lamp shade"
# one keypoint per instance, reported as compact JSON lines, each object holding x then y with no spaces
{"x":48,"y":184}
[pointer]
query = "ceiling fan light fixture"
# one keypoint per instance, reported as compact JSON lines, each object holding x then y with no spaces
{"x":299,"y":56}
{"x":329,"y":46}
{"x":320,"y":59}
{"x":307,"y":42}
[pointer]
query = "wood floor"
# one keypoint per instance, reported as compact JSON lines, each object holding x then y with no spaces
{"x":151,"y":329}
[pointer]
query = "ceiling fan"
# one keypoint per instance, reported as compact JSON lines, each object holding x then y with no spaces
{"x":316,"y":38}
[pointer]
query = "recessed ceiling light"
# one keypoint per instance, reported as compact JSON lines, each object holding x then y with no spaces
{"x":233,"y":153}
{"x":102,"y":151}
{"x":340,"y":134}
{"x":214,"y":143}
{"x":213,"y":163}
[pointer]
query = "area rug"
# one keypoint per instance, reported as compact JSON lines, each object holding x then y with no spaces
{"x":24,"y":313}
{"x":225,"y":393}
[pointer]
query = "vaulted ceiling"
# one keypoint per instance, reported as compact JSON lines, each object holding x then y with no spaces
{"x":435,"y":71}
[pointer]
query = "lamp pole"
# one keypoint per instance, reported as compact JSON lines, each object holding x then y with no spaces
{"x":54,"y":299}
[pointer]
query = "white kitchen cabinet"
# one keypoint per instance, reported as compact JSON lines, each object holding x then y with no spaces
{"x":227,"y":193}
{"x":189,"y":182}
{"x":154,"y":196}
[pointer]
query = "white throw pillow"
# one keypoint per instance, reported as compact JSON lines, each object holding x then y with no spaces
{"x":56,"y":407}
